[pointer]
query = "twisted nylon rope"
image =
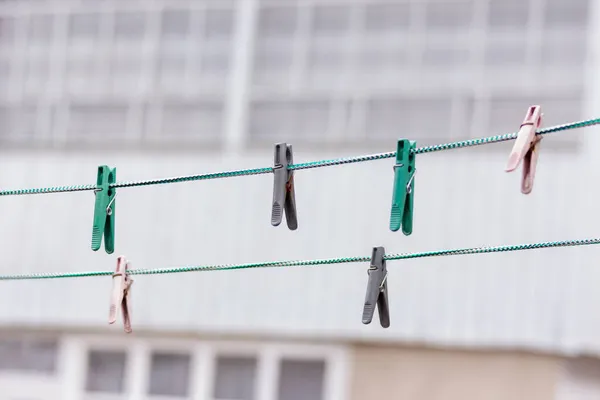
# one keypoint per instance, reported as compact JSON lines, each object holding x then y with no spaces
{"x":308,"y":263}
{"x":308,"y":165}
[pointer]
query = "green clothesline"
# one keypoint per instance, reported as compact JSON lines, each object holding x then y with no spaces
{"x":308,"y":263}
{"x":313,"y":164}
{"x":307,"y":165}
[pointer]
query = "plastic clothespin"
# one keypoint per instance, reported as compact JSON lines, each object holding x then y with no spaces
{"x":404,"y":185}
{"x":120,"y":294}
{"x":104,"y":210}
{"x":526,"y":148}
{"x":284,"y":196}
{"x":377,"y":293}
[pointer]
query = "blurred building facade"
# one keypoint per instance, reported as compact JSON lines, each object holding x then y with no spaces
{"x":162,"y":88}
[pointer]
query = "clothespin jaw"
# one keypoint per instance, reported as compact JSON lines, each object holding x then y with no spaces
{"x":526,"y":148}
{"x":284,"y":195}
{"x":404,"y":183}
{"x":104,"y":210}
{"x":120,"y":294}
{"x":377,"y":292}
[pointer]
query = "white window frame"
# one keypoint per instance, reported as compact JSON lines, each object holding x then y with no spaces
{"x":28,"y":384}
{"x":204,"y":355}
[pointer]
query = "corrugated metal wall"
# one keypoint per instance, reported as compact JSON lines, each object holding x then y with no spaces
{"x":537,"y":299}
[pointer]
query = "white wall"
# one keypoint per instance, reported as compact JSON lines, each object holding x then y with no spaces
{"x":539,"y":298}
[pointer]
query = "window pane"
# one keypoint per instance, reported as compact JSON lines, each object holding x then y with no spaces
{"x":328,"y":58}
{"x":564,"y":50}
{"x":271,"y":59}
{"x":33,"y":355}
{"x":170,"y":375}
{"x":449,"y":14}
{"x":219,"y":24}
{"x":387,"y":17}
{"x":106,"y":372}
{"x":288,"y":120}
{"x":567,"y":14}
{"x":84,"y":26}
{"x":18,"y":122}
{"x":508,"y":13}
{"x":175,"y":23}
{"x":199,"y":120}
{"x":277,"y":21}
{"x":301,"y":380}
{"x":129,"y":25}
{"x":331,"y":19}
{"x":7,"y":30}
{"x":501,"y":51}
{"x":98,"y":119}
{"x":445,"y":55}
{"x":41,"y":28}
{"x":425,"y":118}
{"x":235,"y":378}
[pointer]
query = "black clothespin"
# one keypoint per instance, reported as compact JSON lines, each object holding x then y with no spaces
{"x":284,"y":197}
{"x":377,"y":293}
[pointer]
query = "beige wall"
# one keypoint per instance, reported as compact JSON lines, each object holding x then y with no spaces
{"x":383,"y":372}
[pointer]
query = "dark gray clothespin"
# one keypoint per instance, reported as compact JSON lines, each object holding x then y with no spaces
{"x":284,"y":196}
{"x":377,"y":293}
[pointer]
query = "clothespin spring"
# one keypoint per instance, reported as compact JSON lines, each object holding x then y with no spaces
{"x":109,"y":208}
{"x":383,"y":281}
{"x":412,"y":177}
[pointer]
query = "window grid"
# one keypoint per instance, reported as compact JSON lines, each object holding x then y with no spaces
{"x":104,"y":55}
{"x":425,"y":66}
{"x":328,"y":61}
{"x":201,"y":365}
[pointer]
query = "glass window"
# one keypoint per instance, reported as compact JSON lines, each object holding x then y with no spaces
{"x":445,"y":55}
{"x":301,"y":380}
{"x":175,"y":23}
{"x":170,"y":375}
{"x":271,"y":59}
{"x":218,"y":23}
{"x":573,"y":14}
{"x":106,"y":371}
{"x":376,"y":59}
{"x":130,"y":25}
{"x":290,"y":119}
{"x":235,"y":378}
{"x":7,"y":29}
{"x":41,"y":28}
{"x":423,"y":117}
{"x":501,"y":52}
{"x":508,"y":14}
{"x":449,"y":14}
{"x":328,"y":58}
{"x":199,"y":120}
{"x":215,"y":63}
{"x":100,"y":120}
{"x":387,"y":17}
{"x":331,"y":19}
{"x":84,"y":26}
{"x":564,"y":50}
{"x":278,"y":21}
{"x":31,"y":354}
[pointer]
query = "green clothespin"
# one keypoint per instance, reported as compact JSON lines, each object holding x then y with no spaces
{"x":104,"y":210}
{"x":404,"y":184}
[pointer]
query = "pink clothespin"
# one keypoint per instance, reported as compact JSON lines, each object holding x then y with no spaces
{"x":526,"y":148}
{"x":120,"y":294}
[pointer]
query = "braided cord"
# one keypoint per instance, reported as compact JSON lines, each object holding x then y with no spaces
{"x":202,"y":177}
{"x":307,"y":165}
{"x":308,"y":263}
